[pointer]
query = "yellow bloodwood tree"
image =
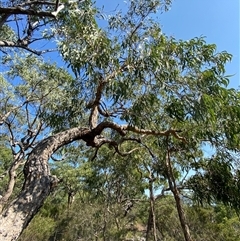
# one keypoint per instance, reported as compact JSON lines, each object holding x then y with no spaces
{"x":120,"y":85}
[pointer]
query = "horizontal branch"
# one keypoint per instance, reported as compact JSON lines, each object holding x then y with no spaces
{"x":37,"y":3}
{"x":154,"y":133}
{"x":10,"y":44}
{"x":123,"y":129}
{"x":22,"y":11}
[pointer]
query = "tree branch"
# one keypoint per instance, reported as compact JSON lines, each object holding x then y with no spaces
{"x":22,"y":11}
{"x":11,"y":44}
{"x":3,"y":19}
{"x":95,"y":103}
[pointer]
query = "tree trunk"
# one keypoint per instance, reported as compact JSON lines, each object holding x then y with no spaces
{"x":151,"y":218}
{"x":38,"y":183}
{"x":12,"y":177}
{"x":182,"y":216}
{"x":176,"y":194}
{"x":38,"y":180}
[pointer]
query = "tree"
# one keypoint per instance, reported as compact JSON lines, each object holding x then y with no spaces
{"x":124,"y":84}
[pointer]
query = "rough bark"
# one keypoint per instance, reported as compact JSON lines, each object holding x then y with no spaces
{"x":38,"y":184}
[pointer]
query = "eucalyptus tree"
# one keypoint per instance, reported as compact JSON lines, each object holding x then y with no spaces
{"x":123,"y":83}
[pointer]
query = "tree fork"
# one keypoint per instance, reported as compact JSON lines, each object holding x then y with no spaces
{"x":38,"y":180}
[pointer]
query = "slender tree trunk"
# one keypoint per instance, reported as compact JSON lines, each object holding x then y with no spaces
{"x":176,"y":194}
{"x":71,"y":197}
{"x":12,"y":180}
{"x":151,"y":218}
{"x":38,"y":184}
{"x":182,"y":216}
{"x":149,"y":225}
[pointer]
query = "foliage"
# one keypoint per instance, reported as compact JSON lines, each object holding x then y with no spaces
{"x":86,"y":220}
{"x":218,"y":181}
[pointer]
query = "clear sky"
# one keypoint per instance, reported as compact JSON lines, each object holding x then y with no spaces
{"x":217,"y":20}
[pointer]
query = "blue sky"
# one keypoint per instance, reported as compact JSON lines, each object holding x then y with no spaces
{"x":217,"y":20}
